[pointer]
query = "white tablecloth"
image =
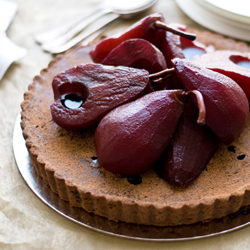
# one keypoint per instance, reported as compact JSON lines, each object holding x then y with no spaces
{"x":25,"y":221}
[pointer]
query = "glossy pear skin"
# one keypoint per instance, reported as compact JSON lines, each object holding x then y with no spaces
{"x":174,"y":46}
{"x":190,"y":150}
{"x":137,"y":53}
{"x":102,"y":88}
{"x":132,"y":137}
{"x":142,"y":29}
{"x":227,"y":106}
{"x":226,"y":63}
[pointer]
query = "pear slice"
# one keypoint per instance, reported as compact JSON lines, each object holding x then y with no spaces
{"x":137,"y":53}
{"x":95,"y":89}
{"x":233,"y":64}
{"x":151,"y":28}
{"x":227,"y":106}
{"x":132,"y":137}
{"x":191,"y":148}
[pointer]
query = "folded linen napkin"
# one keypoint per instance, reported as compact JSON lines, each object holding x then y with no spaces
{"x":9,"y":52}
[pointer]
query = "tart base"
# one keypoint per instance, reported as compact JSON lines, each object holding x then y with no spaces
{"x":66,"y":161}
{"x":100,"y":224}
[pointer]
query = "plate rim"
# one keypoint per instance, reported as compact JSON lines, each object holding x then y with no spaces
{"x":213,"y":21}
{"x":226,"y":12}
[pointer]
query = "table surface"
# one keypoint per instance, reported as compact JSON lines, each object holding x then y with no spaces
{"x":25,"y":221}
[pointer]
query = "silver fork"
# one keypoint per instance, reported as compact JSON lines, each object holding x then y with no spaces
{"x":88,"y":34}
{"x":57,"y":41}
{"x":52,"y":34}
{"x":79,"y":30}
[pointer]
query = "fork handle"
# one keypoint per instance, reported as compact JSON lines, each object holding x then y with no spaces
{"x":53,"y":34}
{"x":82,"y":36}
{"x":75,"y":30}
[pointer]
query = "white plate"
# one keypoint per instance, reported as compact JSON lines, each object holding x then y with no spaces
{"x":236,"y":10}
{"x":214,"y":21}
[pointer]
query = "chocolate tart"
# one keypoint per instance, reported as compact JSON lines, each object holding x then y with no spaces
{"x":67,"y":163}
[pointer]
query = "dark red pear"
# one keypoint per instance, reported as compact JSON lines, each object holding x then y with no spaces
{"x":233,"y":64}
{"x":190,"y":150}
{"x":227,"y":106}
{"x":85,"y":93}
{"x":137,"y":53}
{"x":141,"y":29}
{"x":151,"y":28}
{"x":175,"y":46}
{"x":132,"y":137}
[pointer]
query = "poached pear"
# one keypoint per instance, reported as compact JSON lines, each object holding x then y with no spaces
{"x":151,"y":28}
{"x":189,"y":151}
{"x":137,"y":53}
{"x":132,"y":137}
{"x":97,"y":89}
{"x":233,"y":64}
{"x":227,"y":106}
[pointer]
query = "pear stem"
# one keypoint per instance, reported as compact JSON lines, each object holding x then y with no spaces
{"x":156,"y":77}
{"x":161,"y":25}
{"x":161,"y":74}
{"x":201,"y":106}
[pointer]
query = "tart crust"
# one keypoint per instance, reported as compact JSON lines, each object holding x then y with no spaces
{"x":66,"y":161}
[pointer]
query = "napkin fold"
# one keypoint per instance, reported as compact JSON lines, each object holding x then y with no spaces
{"x":9,"y":52}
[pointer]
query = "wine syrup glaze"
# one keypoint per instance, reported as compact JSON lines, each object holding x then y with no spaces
{"x":135,"y":180}
{"x":72,"y":101}
{"x":193,"y":48}
{"x":244,"y":64}
{"x":241,"y":61}
{"x":191,"y":52}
